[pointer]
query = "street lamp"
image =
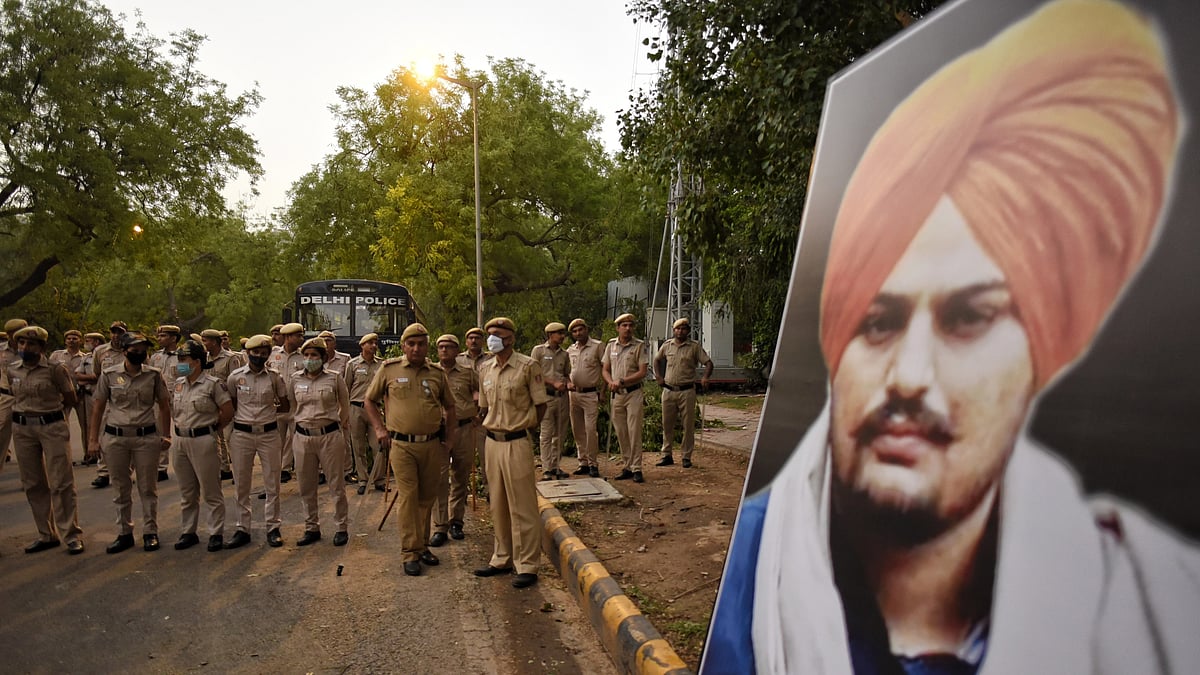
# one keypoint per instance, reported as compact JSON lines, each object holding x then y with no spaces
{"x":473,"y":86}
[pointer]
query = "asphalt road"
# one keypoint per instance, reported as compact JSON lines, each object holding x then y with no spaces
{"x":259,"y":609}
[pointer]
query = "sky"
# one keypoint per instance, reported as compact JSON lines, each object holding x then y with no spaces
{"x":299,"y":52}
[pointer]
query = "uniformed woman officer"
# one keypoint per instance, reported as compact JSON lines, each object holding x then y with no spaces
{"x":322,"y":420}
{"x":201,"y":407}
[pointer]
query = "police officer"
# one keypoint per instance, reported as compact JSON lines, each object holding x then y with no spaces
{"x":675,"y":367}
{"x":134,"y":436}
{"x":202,"y":407}
{"x":451,"y":505}
{"x":475,"y":357}
{"x":556,"y":371}
{"x":334,"y":360}
{"x":221,"y":362}
{"x":164,"y":360}
{"x":359,"y":373}
{"x":626,"y":360}
{"x":40,"y":391}
{"x":288,"y":361}
{"x":85,"y":378}
{"x":106,"y":356}
{"x":259,"y":396}
{"x":322,"y":422}
{"x":71,"y":357}
{"x":416,"y":395}
{"x":513,"y":396}
{"x":585,"y":385}
{"x":7,"y":355}
{"x":276,"y":338}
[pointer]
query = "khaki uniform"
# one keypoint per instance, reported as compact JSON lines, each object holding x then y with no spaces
{"x":322,"y":420}
{"x":165,"y":362}
{"x":7,"y":356}
{"x":43,"y":446}
{"x":224,"y":363}
{"x":254,"y":435}
{"x":475,"y":363}
{"x":196,"y":406}
{"x":72,"y":363}
{"x":286,"y":365}
{"x":339,"y":362}
{"x":414,"y":396}
{"x":132,"y":440}
{"x":451,"y":503}
{"x":104,"y":357}
{"x":556,"y":367}
{"x":629,"y":402}
{"x":511,"y":394}
{"x":358,"y":375}
{"x":679,"y":395}
{"x":84,"y":391}
{"x":587,"y":374}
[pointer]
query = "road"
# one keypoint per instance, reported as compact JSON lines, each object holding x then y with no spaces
{"x":258,"y":609}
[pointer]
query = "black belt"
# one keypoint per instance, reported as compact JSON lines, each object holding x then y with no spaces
{"x":6,"y":391}
{"x":506,"y":436}
{"x":554,"y":392}
{"x":197,"y":432}
{"x":586,"y":390}
{"x":252,"y":429}
{"x":130,"y":431}
{"x":465,"y":421}
{"x":413,"y":438}
{"x":45,"y":418}
{"x":357,"y":404}
{"x":632,"y":387}
{"x":330,"y":428}
{"x":679,"y":387}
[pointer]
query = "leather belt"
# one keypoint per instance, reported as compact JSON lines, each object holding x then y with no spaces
{"x":465,"y":421}
{"x":6,"y":391}
{"x":255,"y":429}
{"x":130,"y":431}
{"x":45,"y":418}
{"x":413,"y":438}
{"x":506,"y":436}
{"x":554,"y":392}
{"x":327,"y":429}
{"x":197,"y":432}
{"x":632,"y":387}
{"x":358,"y":404}
{"x":679,"y":387}
{"x":586,"y":390}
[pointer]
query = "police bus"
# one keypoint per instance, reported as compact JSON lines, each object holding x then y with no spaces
{"x":351,"y":308}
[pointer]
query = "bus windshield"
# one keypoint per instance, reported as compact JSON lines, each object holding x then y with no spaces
{"x":351,"y":308}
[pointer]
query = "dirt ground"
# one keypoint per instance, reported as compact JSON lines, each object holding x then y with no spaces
{"x":665,"y":543}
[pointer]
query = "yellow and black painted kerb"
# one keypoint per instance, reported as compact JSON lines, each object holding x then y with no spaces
{"x":635,"y":645}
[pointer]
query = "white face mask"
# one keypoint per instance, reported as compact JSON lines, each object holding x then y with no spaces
{"x":495,"y":344}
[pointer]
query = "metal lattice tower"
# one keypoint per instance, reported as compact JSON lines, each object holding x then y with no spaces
{"x":685,"y":277}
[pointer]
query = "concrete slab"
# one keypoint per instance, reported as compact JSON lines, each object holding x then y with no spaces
{"x":578,"y":490}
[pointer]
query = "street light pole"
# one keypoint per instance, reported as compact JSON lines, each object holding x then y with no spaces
{"x":473,"y":87}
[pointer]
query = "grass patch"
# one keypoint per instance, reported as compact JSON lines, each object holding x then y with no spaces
{"x":736,"y":402}
{"x":645,"y":603}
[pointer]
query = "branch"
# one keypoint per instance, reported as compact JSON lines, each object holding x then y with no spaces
{"x":503,"y":285}
{"x":36,"y":278}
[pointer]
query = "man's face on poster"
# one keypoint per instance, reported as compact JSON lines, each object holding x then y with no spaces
{"x":932,"y":391}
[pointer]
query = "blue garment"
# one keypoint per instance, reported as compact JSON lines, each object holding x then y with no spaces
{"x":730,"y":649}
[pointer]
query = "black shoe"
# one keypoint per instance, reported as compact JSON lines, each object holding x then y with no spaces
{"x":340,"y":538}
{"x":438,"y":539}
{"x":285,"y":476}
{"x":429,"y":558}
{"x":321,"y":479}
{"x":40,"y":545}
{"x":667,"y":460}
{"x":351,"y":479}
{"x":524,"y":580}
{"x":456,"y":531}
{"x":362,"y":489}
{"x":549,"y":475}
{"x":687,"y":463}
{"x":186,"y":541}
{"x":100,"y":482}
{"x":123,"y":542}
{"x":581,"y":471}
{"x":625,"y":474}
{"x":380,"y":488}
{"x":490,"y":571}
{"x":412,"y":568}
{"x":239,"y":539}
{"x":162,"y":475}
{"x":273,"y":538}
{"x":637,"y":477}
{"x":226,"y":475}
{"x":149,"y":542}
{"x":75,"y":547}
{"x":310,"y":537}
{"x":593,"y":472}
{"x":216,"y":543}
{"x":562,"y":474}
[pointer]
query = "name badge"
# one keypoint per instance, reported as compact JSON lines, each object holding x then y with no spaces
{"x":402,"y":380}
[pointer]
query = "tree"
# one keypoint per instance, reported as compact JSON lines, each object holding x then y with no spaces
{"x":738,"y":104}
{"x":101,"y":131}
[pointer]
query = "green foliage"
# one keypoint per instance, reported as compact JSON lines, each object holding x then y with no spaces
{"x":103,"y":131}
{"x":737,"y":106}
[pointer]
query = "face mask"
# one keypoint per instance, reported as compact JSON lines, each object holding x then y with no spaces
{"x":313,"y":365}
{"x":27,"y":356}
{"x":495,"y":344}
{"x":136,"y":358}
{"x":183,"y":369}
{"x":258,"y":361}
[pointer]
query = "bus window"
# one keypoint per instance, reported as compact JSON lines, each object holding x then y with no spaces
{"x":376,"y":319}
{"x":317,"y":317}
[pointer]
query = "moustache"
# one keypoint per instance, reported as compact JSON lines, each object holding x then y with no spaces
{"x":906,"y":417}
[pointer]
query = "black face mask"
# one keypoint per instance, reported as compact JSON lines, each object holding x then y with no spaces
{"x":258,"y":361}
{"x":136,"y":358}
{"x":28,"y":357}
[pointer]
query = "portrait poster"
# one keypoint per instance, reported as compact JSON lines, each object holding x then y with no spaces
{"x":976,"y":451}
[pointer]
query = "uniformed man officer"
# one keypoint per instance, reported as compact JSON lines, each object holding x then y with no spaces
{"x":626,"y":360}
{"x":416,"y":396}
{"x":556,"y":372}
{"x":276,"y":338}
{"x":7,"y":355}
{"x":359,"y":373}
{"x":71,"y":357}
{"x":586,"y":385}
{"x":513,"y":397}
{"x":164,"y":360}
{"x":675,"y":367}
{"x":40,"y":391}
{"x":85,"y":378}
{"x":221,"y":362}
{"x":322,"y":422}
{"x":259,"y":395}
{"x":451,"y":505}
{"x":475,"y":357}
{"x":134,"y":436}
{"x":106,"y":356}
{"x":334,"y":360}
{"x":287,"y":362}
